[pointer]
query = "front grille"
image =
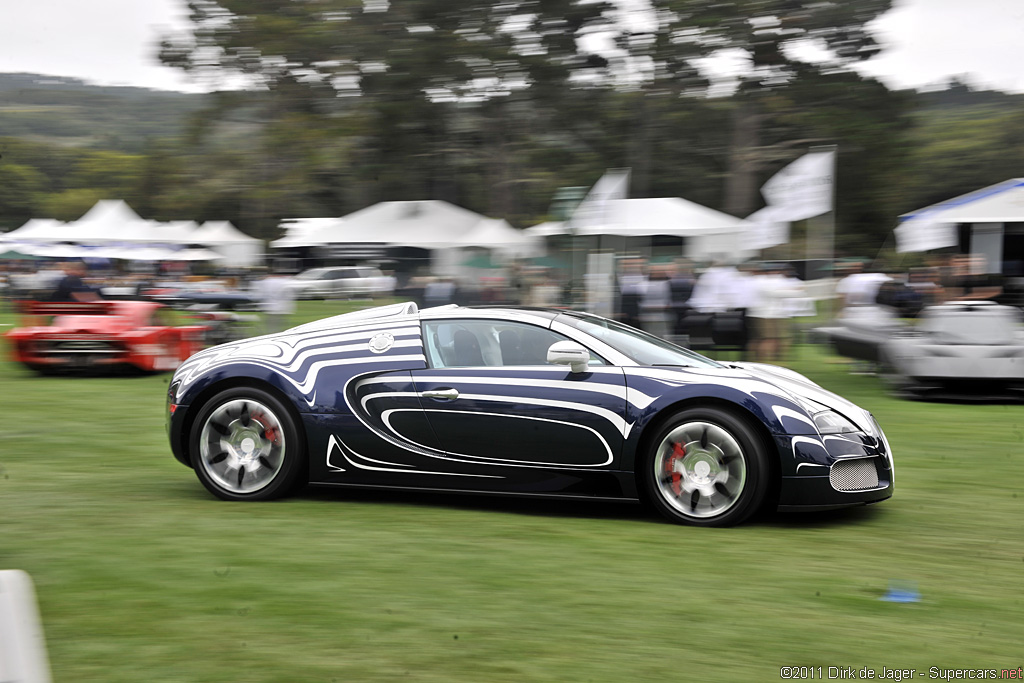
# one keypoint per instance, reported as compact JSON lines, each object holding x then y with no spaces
{"x":854,"y":475}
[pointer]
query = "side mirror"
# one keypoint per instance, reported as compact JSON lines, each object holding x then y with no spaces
{"x":569,"y":353}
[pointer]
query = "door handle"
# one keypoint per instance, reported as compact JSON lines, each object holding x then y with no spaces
{"x":444,"y":394}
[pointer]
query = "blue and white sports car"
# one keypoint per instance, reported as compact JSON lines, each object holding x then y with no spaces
{"x":518,"y":401}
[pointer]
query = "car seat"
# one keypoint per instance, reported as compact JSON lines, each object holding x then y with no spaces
{"x":467,"y":349}
{"x":511,"y":348}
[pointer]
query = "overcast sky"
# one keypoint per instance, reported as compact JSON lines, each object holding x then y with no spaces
{"x":114,"y":42}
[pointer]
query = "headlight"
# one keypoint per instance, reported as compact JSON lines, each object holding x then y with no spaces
{"x":831,"y":422}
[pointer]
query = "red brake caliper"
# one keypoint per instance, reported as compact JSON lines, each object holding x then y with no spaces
{"x":678,"y":453}
{"x":270,"y":433}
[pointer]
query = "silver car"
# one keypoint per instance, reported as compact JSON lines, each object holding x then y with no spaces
{"x":337,"y":282}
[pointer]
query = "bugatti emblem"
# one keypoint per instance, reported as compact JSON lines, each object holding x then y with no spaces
{"x":381,"y":342}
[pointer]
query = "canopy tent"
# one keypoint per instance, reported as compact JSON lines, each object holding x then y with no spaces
{"x":173,"y":233}
{"x":15,"y":255}
{"x":303,"y":232}
{"x":36,"y":230}
{"x":112,"y":227}
{"x":234,"y":246}
{"x":661,"y":216}
{"x":988,"y":211}
{"x":110,"y":220}
{"x":707,"y":232}
{"x":548,"y":229}
{"x":427,"y":224}
{"x":497,"y":234}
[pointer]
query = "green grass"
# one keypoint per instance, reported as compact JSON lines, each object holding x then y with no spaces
{"x":143,"y":576}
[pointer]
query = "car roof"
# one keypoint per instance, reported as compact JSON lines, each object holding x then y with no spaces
{"x":542,"y":316}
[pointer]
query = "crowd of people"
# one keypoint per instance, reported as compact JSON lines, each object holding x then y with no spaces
{"x":955,"y":277}
{"x":748,"y":308}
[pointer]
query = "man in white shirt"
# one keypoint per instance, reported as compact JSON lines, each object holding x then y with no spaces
{"x":770,"y":312}
{"x":859,"y":288}
{"x":277,"y":300}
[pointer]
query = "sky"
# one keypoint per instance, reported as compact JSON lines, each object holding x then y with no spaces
{"x":113,"y":42}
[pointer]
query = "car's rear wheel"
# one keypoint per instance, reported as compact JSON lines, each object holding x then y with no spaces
{"x":706,"y":467}
{"x":245,"y":445}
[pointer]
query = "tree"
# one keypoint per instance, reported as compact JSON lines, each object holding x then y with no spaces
{"x":772,"y":37}
{"x":400,"y":81}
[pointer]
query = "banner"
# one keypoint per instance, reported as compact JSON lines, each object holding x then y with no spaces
{"x":804,"y":189}
{"x":592,"y":211}
{"x":925,"y":232}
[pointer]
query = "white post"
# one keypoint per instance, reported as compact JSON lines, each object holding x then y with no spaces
{"x":829,"y":225}
{"x":22,"y":647}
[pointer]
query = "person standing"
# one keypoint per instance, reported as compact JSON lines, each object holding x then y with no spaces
{"x":770,"y":312}
{"x":681,"y":287}
{"x":277,"y":300}
{"x":72,"y":287}
{"x":656,"y":303}
{"x":630,"y":288}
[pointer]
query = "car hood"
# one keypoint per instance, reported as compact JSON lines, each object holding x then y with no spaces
{"x":807,"y":393}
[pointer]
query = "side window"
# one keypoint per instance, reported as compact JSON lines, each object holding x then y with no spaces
{"x":493,"y":343}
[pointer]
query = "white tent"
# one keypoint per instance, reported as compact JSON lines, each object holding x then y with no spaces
{"x":110,"y":220}
{"x":429,"y":224}
{"x":302,"y":232}
{"x":236,"y":248}
{"x":497,"y":234}
{"x":661,"y":216}
{"x":172,"y":233}
{"x":987,"y":211}
{"x":707,"y":232}
{"x":37,"y":230}
{"x":548,"y":229}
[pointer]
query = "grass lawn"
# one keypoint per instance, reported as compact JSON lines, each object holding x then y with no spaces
{"x":143,"y":576}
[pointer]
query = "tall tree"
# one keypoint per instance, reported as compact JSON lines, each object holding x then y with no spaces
{"x":396,"y":78}
{"x":779,"y":42}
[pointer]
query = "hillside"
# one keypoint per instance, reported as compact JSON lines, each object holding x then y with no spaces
{"x":70,"y":112}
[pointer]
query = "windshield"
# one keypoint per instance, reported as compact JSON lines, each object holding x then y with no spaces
{"x":639,"y":346}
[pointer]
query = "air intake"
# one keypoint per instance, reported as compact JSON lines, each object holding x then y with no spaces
{"x":854,"y":475}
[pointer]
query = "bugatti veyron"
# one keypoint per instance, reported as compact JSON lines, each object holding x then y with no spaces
{"x":518,"y":401}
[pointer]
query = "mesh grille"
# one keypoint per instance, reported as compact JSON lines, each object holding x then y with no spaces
{"x":854,"y":475}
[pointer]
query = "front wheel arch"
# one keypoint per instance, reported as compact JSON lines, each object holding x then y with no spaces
{"x":759,"y":447}
{"x":248,"y":432}
{"x":197,"y":402}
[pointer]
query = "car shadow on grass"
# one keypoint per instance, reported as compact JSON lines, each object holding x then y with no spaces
{"x":576,"y":508}
{"x":541,"y":507}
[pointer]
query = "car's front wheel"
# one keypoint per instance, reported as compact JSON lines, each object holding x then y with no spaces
{"x":246,"y":445}
{"x":706,"y":467}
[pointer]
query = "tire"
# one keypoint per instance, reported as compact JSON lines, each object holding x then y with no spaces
{"x":246,"y":445}
{"x":705,"y":467}
{"x":898,"y":384}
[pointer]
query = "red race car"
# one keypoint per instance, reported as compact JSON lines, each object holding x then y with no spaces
{"x":102,"y":335}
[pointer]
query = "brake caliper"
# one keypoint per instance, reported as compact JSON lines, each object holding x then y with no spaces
{"x":271,"y":434}
{"x":678,"y":453}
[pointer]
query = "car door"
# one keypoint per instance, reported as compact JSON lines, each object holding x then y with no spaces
{"x":491,"y":398}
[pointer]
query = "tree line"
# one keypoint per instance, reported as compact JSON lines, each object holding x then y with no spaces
{"x":494,"y":105}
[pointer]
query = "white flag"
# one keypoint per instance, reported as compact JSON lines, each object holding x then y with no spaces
{"x":593,"y":210}
{"x":803,"y":189}
{"x":767,"y":229}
